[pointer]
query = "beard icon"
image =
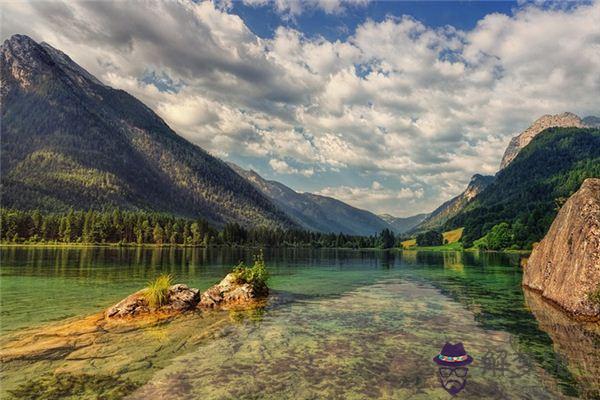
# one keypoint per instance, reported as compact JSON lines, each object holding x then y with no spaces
{"x":452,"y":370}
{"x":453,"y":379}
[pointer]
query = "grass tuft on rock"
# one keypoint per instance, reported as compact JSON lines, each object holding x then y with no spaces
{"x":157,"y":291}
{"x":256,"y":275}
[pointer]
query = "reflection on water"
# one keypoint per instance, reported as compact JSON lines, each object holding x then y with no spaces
{"x":341,"y":324}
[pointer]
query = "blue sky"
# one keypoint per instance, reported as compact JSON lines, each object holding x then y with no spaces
{"x":263,"y":20}
{"x":389,"y":106}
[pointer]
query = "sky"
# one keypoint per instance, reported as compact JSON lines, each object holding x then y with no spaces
{"x":389,"y":106}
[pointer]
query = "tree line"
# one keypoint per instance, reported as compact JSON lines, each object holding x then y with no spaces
{"x":139,"y":227}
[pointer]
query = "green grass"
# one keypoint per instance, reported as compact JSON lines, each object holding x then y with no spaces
{"x":157,"y":290}
{"x":452,"y":239}
{"x":445,"y":247}
{"x":453,"y":235}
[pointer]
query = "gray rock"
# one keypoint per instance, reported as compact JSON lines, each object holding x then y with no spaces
{"x":230,"y":292}
{"x":179,"y":298}
{"x":565,"y":265}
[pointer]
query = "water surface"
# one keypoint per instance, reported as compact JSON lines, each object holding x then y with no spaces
{"x":340,"y":324}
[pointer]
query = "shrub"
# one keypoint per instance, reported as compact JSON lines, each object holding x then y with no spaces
{"x":157,"y":290}
{"x":256,"y":275}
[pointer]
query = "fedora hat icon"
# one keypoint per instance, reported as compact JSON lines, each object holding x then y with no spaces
{"x":453,"y":355}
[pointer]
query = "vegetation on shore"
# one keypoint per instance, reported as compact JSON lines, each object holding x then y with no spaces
{"x":434,"y":240}
{"x":124,"y":228}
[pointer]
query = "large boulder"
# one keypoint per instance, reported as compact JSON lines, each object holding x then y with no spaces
{"x":565,"y":266}
{"x":231,"y":292}
{"x":179,"y":298}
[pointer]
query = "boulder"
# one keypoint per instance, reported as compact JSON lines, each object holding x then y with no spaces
{"x":179,"y":298}
{"x":230,"y":292}
{"x":565,"y":266}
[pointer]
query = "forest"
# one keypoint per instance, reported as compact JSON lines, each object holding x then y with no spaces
{"x":525,"y":197}
{"x":138,"y":228}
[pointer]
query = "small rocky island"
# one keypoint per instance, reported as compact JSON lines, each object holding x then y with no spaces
{"x":244,"y":287}
{"x":565,"y":266}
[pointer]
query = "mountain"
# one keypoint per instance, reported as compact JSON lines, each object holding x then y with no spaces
{"x":315,"y":212}
{"x":565,"y":119}
{"x":69,"y":141}
{"x":452,"y":207}
{"x":403,"y":224}
{"x":527,"y":193}
{"x":591,"y":122}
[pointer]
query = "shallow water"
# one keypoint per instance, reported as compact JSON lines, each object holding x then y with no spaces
{"x":340,"y":324}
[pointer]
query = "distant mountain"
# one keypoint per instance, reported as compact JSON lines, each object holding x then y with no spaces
{"x":315,"y":212}
{"x":70,"y":141}
{"x":452,"y":207}
{"x":591,"y":122}
{"x":564,"y":120}
{"x":529,"y":191}
{"x":403,"y":224}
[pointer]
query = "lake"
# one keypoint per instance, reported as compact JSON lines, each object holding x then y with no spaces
{"x":339,"y":324}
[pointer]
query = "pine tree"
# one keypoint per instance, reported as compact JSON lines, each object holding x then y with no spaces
{"x":158,"y":234}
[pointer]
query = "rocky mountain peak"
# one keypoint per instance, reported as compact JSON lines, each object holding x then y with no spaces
{"x":476,"y":185}
{"x":26,"y":63}
{"x":22,"y":59}
{"x":565,"y":119}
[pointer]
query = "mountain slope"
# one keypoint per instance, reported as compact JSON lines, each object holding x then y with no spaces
{"x":403,"y":224}
{"x":452,"y":207}
{"x":70,"y":141}
{"x":315,"y":212}
{"x":564,"y":120}
{"x":528,"y":192}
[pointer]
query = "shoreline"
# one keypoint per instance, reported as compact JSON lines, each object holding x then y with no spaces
{"x":182,"y":246}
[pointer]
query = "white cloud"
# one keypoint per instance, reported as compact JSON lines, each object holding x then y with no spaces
{"x":375,"y":198}
{"x":282,"y":167}
{"x":426,"y":108}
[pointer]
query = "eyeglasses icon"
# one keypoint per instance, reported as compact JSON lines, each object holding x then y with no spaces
{"x":461,"y":372}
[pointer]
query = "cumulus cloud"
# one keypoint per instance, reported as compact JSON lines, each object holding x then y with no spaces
{"x":282,"y":167}
{"x":375,"y":198}
{"x":425,"y":108}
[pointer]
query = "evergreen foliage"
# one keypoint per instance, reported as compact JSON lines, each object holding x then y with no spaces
{"x":528,"y":193}
{"x":430,"y":238}
{"x":129,"y":228}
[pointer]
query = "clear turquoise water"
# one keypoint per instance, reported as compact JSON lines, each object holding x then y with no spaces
{"x":340,"y":324}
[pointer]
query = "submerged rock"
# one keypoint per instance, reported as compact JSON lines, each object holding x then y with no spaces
{"x":231,"y":292}
{"x":179,"y":298}
{"x":565,"y":266}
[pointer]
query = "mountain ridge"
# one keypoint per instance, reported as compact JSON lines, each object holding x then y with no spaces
{"x":88,"y":146}
{"x":564,"y":120}
{"x":438,"y":217}
{"x":527,"y":193}
{"x":316,"y":212}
